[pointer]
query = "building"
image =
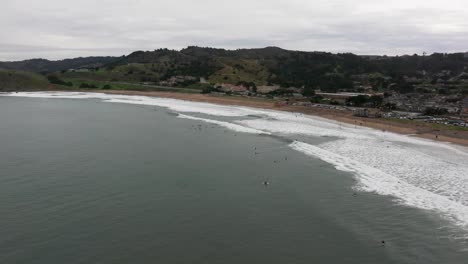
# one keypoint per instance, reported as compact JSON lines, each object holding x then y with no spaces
{"x":227,"y":87}
{"x":79,"y":70}
{"x":174,"y":80}
{"x":265,"y":89}
{"x":361,"y":112}
{"x":342,"y":97}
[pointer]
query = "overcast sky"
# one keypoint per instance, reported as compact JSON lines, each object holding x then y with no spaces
{"x":57,"y":29}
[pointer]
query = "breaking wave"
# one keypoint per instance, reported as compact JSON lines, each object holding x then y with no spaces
{"x":228,"y":125}
{"x":375,"y":180}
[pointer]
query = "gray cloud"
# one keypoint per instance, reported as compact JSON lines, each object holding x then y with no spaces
{"x":58,"y":29}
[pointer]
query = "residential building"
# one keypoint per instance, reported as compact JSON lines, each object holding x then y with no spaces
{"x":227,"y":87}
{"x":264,"y":89}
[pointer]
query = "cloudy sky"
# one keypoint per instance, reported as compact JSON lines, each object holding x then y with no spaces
{"x":57,"y":29}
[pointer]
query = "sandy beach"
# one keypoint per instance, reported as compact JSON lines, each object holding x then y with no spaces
{"x":418,"y":129}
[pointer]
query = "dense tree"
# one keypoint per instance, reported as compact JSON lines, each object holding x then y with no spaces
{"x":88,"y":86}
{"x":376,"y":101}
{"x":435,"y":111}
{"x":56,"y":80}
{"x":359,"y":100}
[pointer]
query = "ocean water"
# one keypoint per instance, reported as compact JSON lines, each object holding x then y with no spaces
{"x":95,"y":178}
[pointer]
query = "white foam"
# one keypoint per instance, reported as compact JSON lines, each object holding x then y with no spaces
{"x":375,"y":180}
{"x":173,"y":104}
{"x":436,"y":168}
{"x":227,"y":125}
{"x":183,"y":106}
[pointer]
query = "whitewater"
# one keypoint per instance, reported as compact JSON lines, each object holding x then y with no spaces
{"x":415,"y":172}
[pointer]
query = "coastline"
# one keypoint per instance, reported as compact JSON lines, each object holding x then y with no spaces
{"x":417,"y":129}
{"x":421,"y":130}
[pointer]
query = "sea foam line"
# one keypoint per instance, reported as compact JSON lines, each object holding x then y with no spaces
{"x":173,"y":104}
{"x":374,"y":180}
{"x":275,"y":122}
{"x":227,"y":125}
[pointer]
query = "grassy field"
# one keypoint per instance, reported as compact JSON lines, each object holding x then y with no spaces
{"x":77,"y":82}
{"x":240,"y":70}
{"x":134,"y":72}
{"x":20,"y":81}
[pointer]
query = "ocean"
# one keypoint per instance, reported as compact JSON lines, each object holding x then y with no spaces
{"x":96,"y":178}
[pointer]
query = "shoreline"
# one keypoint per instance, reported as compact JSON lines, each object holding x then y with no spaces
{"x":417,"y":129}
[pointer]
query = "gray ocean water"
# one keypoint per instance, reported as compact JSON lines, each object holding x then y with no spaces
{"x":83,"y":181}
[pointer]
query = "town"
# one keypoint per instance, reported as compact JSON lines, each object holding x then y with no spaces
{"x":434,"y":103}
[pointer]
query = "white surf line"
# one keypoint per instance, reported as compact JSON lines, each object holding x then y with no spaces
{"x":291,"y":123}
{"x":177,"y":105}
{"x":374,"y":180}
{"x":287,"y":122}
{"x":231,"y":126}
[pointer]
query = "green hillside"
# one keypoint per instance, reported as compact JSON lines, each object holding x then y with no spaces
{"x":436,"y":73}
{"x":42,"y":65}
{"x":21,"y":81}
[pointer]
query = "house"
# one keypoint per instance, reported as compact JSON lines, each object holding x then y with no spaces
{"x":227,"y":87}
{"x":265,"y":89}
{"x":295,"y":90}
{"x":79,"y":70}
{"x":451,"y":109}
{"x":361,"y":112}
{"x":239,"y":89}
{"x":343,"y":96}
{"x":174,"y":80}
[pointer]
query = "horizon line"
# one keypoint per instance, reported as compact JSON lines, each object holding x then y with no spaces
{"x":231,"y":49}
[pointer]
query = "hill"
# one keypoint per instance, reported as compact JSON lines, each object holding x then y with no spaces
{"x":42,"y":65}
{"x":436,"y":73}
{"x":21,"y":81}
